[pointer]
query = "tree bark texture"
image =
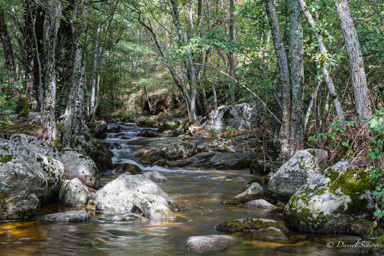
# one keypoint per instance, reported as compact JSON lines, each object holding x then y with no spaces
{"x":297,"y":77}
{"x":9,"y":58}
{"x":52,"y":27}
{"x":75,"y":102}
{"x":356,"y":63}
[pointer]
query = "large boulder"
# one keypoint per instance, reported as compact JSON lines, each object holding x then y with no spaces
{"x":200,"y":244}
{"x":26,"y":179}
{"x":35,"y":144}
{"x":76,"y":165}
{"x":240,"y":117}
{"x":80,"y":166}
{"x":135,"y":193}
{"x":332,"y":200}
{"x":297,"y":171}
{"x":74,"y":193}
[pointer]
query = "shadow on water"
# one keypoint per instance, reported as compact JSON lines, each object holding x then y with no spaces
{"x":202,"y":197}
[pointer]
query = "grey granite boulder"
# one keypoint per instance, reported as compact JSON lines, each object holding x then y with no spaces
{"x":74,"y":193}
{"x":297,"y":171}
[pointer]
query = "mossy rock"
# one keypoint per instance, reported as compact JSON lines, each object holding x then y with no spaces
{"x":332,"y":200}
{"x":127,"y":168}
{"x":251,"y":225}
{"x":270,"y":233}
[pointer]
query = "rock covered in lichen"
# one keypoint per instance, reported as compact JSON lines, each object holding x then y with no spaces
{"x":250,"y":225}
{"x":250,"y":192}
{"x":27,"y":179}
{"x":76,"y":165}
{"x":80,"y":166}
{"x":135,"y":193}
{"x":200,"y":244}
{"x":260,"y":204}
{"x":296,"y":172}
{"x":74,"y":193}
{"x":332,"y":200}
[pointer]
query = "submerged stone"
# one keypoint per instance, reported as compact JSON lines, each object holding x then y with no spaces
{"x":122,"y":218}
{"x":71,"y":216}
{"x":250,"y":225}
{"x":200,"y":244}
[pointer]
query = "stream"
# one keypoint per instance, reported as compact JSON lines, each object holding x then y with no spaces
{"x":201,"y":191}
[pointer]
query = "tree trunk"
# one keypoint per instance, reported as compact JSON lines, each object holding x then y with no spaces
{"x":323,"y":51}
{"x":52,"y":26}
{"x":297,"y":77}
{"x":284,"y":76}
{"x":356,"y":63}
{"x":75,"y":102}
{"x":231,"y":53}
{"x":65,"y":55}
{"x":9,"y":59}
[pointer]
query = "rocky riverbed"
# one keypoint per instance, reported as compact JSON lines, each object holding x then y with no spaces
{"x":72,"y":208}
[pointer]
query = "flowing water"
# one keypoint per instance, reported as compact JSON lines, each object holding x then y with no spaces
{"x":201,"y":191}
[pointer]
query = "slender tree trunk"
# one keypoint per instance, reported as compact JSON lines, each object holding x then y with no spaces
{"x":231,"y":53}
{"x":284,"y":76}
{"x":29,"y":47}
{"x":52,"y":26}
{"x":95,"y":65}
{"x":323,"y":51}
{"x":192,"y":82}
{"x":9,"y":59}
{"x":356,"y":63}
{"x":297,"y":77}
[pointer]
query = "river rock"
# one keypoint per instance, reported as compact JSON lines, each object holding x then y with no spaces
{"x":153,"y":207}
{"x":122,"y":218}
{"x":250,"y":192}
{"x":332,"y":200}
{"x":149,"y":134}
{"x":250,"y":225}
{"x":270,"y":233}
{"x":100,"y":154}
{"x":26,"y":179}
{"x":101,"y":128}
{"x":80,"y":166}
{"x":297,"y":171}
{"x":35,"y":144}
{"x":132,"y":193}
{"x":74,"y":193}
{"x":129,"y":167}
{"x":71,"y":216}
{"x":200,"y":244}
{"x":240,"y":117}
{"x":155,"y":176}
{"x":260,"y":204}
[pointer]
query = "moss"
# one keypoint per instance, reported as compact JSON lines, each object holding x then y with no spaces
{"x":6,"y":158}
{"x":250,"y":225}
{"x":353,"y":183}
{"x":176,"y":206}
{"x":24,"y":112}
